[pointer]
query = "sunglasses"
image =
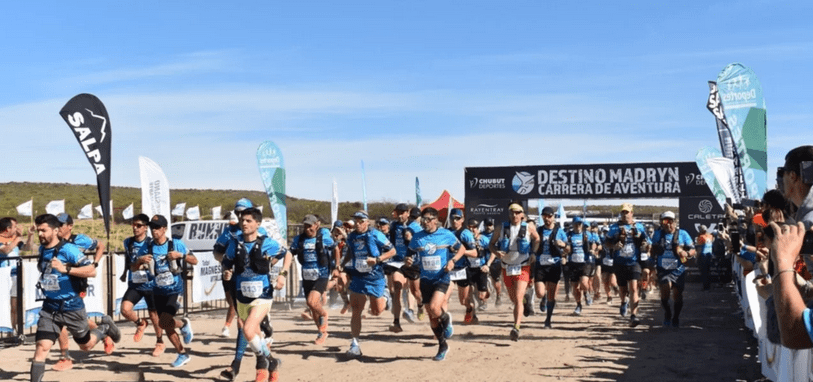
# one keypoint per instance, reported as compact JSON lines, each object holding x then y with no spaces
{"x":516,"y":212}
{"x":780,"y":172}
{"x":139,"y":225}
{"x":428,"y":219}
{"x":457,"y":218}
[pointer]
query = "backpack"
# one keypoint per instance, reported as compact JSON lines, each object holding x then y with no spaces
{"x":256,"y":261}
{"x":322,"y":256}
{"x":555,"y":251}
{"x":79,"y":284}
{"x":659,"y":248}
{"x":170,"y":247}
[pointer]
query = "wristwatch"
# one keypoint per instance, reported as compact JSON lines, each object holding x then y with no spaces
{"x":284,"y":273}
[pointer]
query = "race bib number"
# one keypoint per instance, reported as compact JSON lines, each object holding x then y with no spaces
{"x":669,"y":263}
{"x":513,"y":270}
{"x":628,"y":251}
{"x":457,"y":275}
{"x":608,"y":261}
{"x":362,"y":266}
{"x":545,"y":260}
{"x":644,"y":256}
{"x":251,"y":289}
{"x":577,"y":258}
{"x":165,"y":279}
{"x":310,"y":274}
{"x":139,"y":277}
{"x":431,"y":263}
{"x":50,"y":283}
{"x":474,"y":262}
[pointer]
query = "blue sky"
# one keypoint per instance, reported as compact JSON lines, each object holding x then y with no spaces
{"x":419,"y":88}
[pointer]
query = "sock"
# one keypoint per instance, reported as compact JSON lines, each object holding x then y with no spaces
{"x":37,"y":371}
{"x":396,"y":321}
{"x":242,"y":343}
{"x":355,"y":341}
{"x":444,"y":319}
{"x":438,"y":330}
{"x":265,"y":325}
{"x":550,"y":305}
{"x":678,"y":307}
{"x":516,"y":326}
{"x":258,"y":345}
{"x":235,"y":365}
{"x":667,"y":310}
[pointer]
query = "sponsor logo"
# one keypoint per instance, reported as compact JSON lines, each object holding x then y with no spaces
{"x":712,"y":227}
{"x":487,"y":183}
{"x":487,"y":209}
{"x":523,"y":183}
{"x":77,"y":120}
{"x":705,"y":206}
{"x":430,"y":248}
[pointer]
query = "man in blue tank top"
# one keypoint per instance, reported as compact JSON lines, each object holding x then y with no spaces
{"x":627,"y":238}
{"x":62,"y":265}
{"x":314,"y":248}
{"x":397,"y":232}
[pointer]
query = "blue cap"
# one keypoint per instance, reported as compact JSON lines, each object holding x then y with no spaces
{"x":337,"y":223}
{"x":456,"y":212}
{"x":64,"y":218}
{"x":243,"y":204}
{"x":577,"y":220}
{"x":361,"y":214}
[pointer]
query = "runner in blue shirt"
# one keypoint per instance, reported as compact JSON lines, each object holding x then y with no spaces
{"x":435,"y":251}
{"x":393,"y":268}
{"x":626,"y":240}
{"x":164,"y":257}
{"x":548,"y":265}
{"x":139,"y":285}
{"x":475,"y":273}
{"x":579,"y":247}
{"x":253,"y":257}
{"x":492,"y":266}
{"x":62,"y":266}
{"x":671,"y":247}
{"x":314,"y":248}
{"x":367,"y":249}
{"x":460,"y":274}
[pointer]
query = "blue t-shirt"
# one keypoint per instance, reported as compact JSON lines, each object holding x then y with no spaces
{"x":546,"y":257}
{"x":164,"y":282}
{"x":669,"y":260}
{"x":484,"y":240}
{"x":249,"y":284}
{"x":360,"y":246}
{"x":577,"y":252}
{"x":310,"y":268}
{"x":433,"y":251}
{"x":139,"y":280}
{"x":4,"y":258}
{"x":56,"y":286}
{"x":630,"y":253}
{"x":396,"y":235}
{"x":466,"y":238}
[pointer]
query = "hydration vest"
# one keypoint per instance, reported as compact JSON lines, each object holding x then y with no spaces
{"x":322,"y":256}
{"x":258,"y":263}
{"x":523,"y":244}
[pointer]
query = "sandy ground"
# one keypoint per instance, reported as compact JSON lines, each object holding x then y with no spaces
{"x":711,"y":345}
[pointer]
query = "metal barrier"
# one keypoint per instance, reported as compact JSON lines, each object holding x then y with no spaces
{"x":187,"y":306}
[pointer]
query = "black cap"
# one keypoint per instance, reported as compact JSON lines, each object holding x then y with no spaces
{"x":473,"y":222}
{"x":415,"y":212}
{"x":547,"y":211}
{"x":488,"y":221}
{"x":401,"y":207}
{"x":158,"y":221}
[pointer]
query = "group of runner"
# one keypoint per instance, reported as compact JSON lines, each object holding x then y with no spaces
{"x":405,"y":266}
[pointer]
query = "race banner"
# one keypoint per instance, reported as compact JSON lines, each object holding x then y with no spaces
{"x":31,"y":293}
{"x":334,"y":203}
{"x":363,"y":186}
{"x":695,"y":212}
{"x":5,"y":299}
{"x":714,"y":183}
{"x":127,"y":214}
{"x":87,"y":117}
{"x":715,"y":106}
{"x":216,"y":213}
{"x":272,"y":171}
{"x":496,"y":209}
{"x":206,"y":276}
{"x":96,"y":297}
{"x":588,"y":181}
{"x":86,"y":212}
{"x":418,"y":199}
{"x":154,"y":188}
{"x":178,"y":210}
{"x":744,"y":108}
{"x":193,"y":213}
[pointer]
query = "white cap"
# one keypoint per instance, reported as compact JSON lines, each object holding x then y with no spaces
{"x":668,"y":215}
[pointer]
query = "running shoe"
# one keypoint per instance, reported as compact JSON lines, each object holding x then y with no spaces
{"x":467,"y":317}
{"x":483,"y":306}
{"x":515,"y":334}
{"x":320,"y":338}
{"x":112,"y":330}
{"x":355,"y":351}
{"x":547,"y":324}
{"x":140,"y":329}
{"x":474,"y":320}
{"x":109,"y":346}
{"x":675,"y":322}
{"x":274,"y":364}
{"x":543,"y":305}
{"x":498,"y":303}
{"x":588,"y":299}
{"x":421,"y":314}
{"x":634,"y":321}
{"x":396,"y":328}
{"x":448,"y":331}
{"x":186,"y":331}
{"x":667,"y":323}
{"x":182,"y":359}
{"x":225,"y":332}
{"x":623,"y":309}
{"x":409,"y":315}
{"x":442,"y":351}
{"x":262,"y":375}
{"x":578,"y":310}
{"x":159,"y":349}
{"x":63,"y":364}
{"x":389,"y":301}
{"x":609,"y":300}
{"x":231,"y":373}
